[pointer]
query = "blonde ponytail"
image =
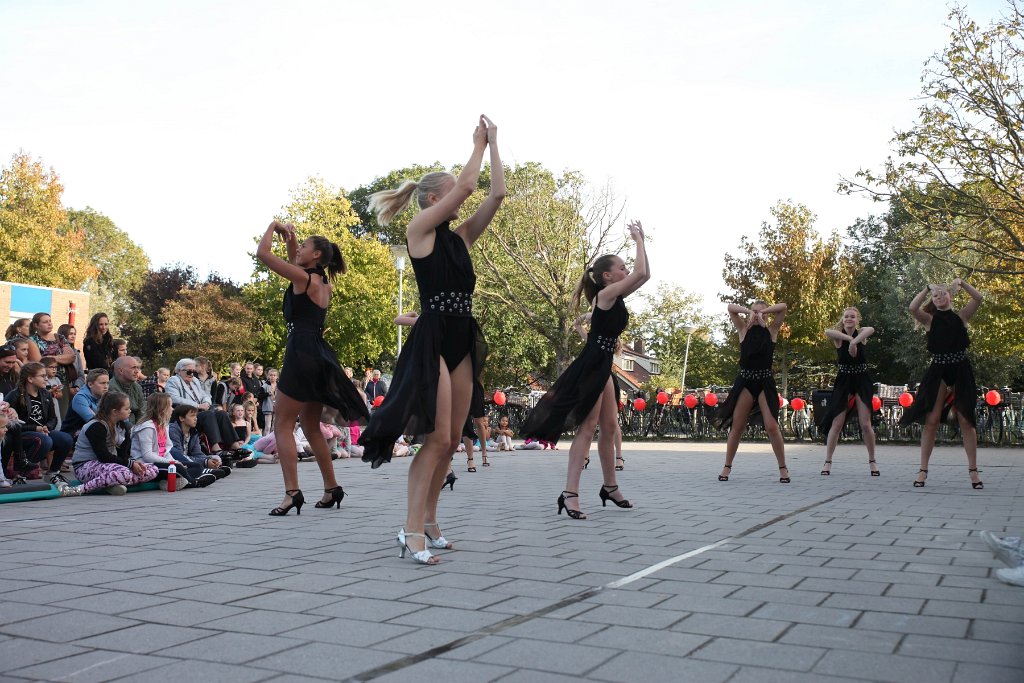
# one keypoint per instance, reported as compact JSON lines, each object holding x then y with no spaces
{"x":389,"y":203}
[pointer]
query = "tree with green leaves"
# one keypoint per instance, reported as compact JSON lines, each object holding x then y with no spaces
{"x":121,"y":265}
{"x":959,"y":171}
{"x":790,"y":262}
{"x":360,"y":321}
{"x":209,"y":320}
{"x":145,"y":308}
{"x":38,"y":246}
{"x":392,"y":234}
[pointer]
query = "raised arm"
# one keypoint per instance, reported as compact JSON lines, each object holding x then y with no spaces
{"x":420,"y":232}
{"x":735,"y":315}
{"x":286,"y":269}
{"x":862,"y":335}
{"x":915,"y":307}
{"x":837,"y":336}
{"x":778,"y":311}
{"x":474,"y":226}
{"x":632,"y":282}
{"x":968,"y":311}
{"x":579,"y":324}
{"x":407,"y":319}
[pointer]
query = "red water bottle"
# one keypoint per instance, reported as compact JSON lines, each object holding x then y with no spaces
{"x":172,"y":478}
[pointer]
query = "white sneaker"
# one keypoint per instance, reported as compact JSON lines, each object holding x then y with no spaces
{"x":1007,"y":549}
{"x":69,"y":491}
{"x":117,"y":490}
{"x":1014,"y":577}
{"x":58,"y":480}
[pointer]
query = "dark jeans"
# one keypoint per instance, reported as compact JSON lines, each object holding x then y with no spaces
{"x":13,"y":445}
{"x":37,"y":445}
{"x":216,"y":425}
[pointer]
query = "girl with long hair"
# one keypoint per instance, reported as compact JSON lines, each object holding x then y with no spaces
{"x":103,"y":457}
{"x":19,"y":329}
{"x":98,"y":345}
{"x":753,"y":395}
{"x":949,"y":375}
{"x":852,"y":388}
{"x":39,"y":434}
{"x":311,"y":375}
{"x":584,"y":395}
{"x":437,"y":378}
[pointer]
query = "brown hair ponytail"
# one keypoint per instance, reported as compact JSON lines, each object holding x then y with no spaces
{"x":593,"y":280}
{"x":330,"y":257}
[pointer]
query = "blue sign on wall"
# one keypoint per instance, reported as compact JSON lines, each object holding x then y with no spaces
{"x":31,"y":299}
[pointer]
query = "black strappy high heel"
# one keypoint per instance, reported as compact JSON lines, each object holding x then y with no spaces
{"x":586,"y":463}
{"x":725,"y":477}
{"x":575,"y":514}
{"x":783,"y":480}
{"x":620,"y":459}
{"x":874,"y":473}
{"x":298,"y":500}
{"x":606,"y":492}
{"x":826,"y":473}
{"x":920,"y":484}
{"x":449,"y":481}
{"x":976,"y":484}
{"x":337,"y":493}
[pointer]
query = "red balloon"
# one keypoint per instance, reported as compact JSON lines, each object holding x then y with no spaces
{"x":662,"y":397}
{"x":782,"y":401}
{"x":622,"y":404}
{"x":851,"y":402}
{"x":711,"y":399}
{"x":690,"y":401}
{"x":499,"y":398}
{"x":377,"y":401}
{"x":640,"y":404}
{"x":993,"y":397}
{"x":876,"y":403}
{"x":798,"y":404}
{"x":906,"y":400}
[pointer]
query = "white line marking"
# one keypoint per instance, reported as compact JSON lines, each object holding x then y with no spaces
{"x":636,"y":576}
{"x":92,"y":666}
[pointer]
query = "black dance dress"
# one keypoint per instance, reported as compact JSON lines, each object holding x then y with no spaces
{"x":311,"y":372}
{"x":852,"y":379}
{"x":947,"y":342}
{"x":756,"y":353}
{"x":445,"y":330}
{"x":575,"y":393}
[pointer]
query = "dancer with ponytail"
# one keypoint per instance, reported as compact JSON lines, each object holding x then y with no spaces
{"x":951,"y":372}
{"x":437,"y":377}
{"x":853,"y":383}
{"x":584,"y":395}
{"x":311,"y":376}
{"x":753,"y":395}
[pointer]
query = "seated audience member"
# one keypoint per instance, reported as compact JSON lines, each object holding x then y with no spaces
{"x":250,"y":382}
{"x":269,"y":398}
{"x":157,"y":384}
{"x":375,"y":387}
{"x":207,"y":377}
{"x":185,"y":389}
{"x":120,"y":348}
{"x":86,"y":402}
{"x":9,"y":368}
{"x":126,"y":369}
{"x":235,"y":393}
{"x":39,"y":434}
{"x":19,"y":329}
{"x":21,"y":351}
{"x":504,"y":434}
{"x":12,"y":447}
{"x":98,"y":345}
{"x":49,"y":343}
{"x":75,"y":371}
{"x":5,"y":483}
{"x":252,"y":421}
{"x":186,"y":446}
{"x":103,"y":454}
{"x":151,"y":444}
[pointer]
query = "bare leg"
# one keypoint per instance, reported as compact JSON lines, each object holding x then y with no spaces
{"x":867,"y":431}
{"x":931,"y":426}
{"x":970,"y":437}
{"x":609,"y":420}
{"x":833,"y":439}
{"x":310,"y":419}
{"x":578,"y":452}
{"x":618,"y":439}
{"x":286,"y":412}
{"x":739,"y":422}
{"x":461,"y":384}
{"x":771,"y":426}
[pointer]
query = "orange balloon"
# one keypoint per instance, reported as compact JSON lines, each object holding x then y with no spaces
{"x":500,"y":398}
{"x":906,"y":400}
{"x":711,"y":400}
{"x":640,"y":404}
{"x":993,"y":397}
{"x":690,"y":401}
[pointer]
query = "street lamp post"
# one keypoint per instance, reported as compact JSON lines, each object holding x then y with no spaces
{"x":689,"y":330}
{"x":400,"y":264}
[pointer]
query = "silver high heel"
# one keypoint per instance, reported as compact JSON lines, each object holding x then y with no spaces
{"x":440,"y":542}
{"x":422,"y":556}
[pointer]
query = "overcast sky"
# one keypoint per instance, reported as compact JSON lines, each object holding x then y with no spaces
{"x":188,"y":123}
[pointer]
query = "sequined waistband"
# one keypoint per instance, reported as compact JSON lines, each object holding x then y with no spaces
{"x":448,"y":303}
{"x":755,"y":374}
{"x":845,"y":369}
{"x":604,"y":343}
{"x":301,"y":327}
{"x":949,"y":358}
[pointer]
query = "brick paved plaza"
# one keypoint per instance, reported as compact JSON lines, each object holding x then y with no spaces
{"x":837,"y":578}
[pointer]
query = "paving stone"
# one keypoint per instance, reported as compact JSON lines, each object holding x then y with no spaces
{"x":1000,"y":631}
{"x":658,"y":668}
{"x":348,"y":632}
{"x":903,"y":590}
{"x":795,"y":597}
{"x":968,"y":672}
{"x":712,"y":605}
{"x":66,"y":626}
{"x":645,"y":640}
{"x":803,"y":614}
{"x":943,"y":608}
{"x":842,"y":638}
{"x":848,"y":587}
{"x":732,"y":627}
{"x":886,"y":668}
{"x":956,"y":649}
{"x":749,"y":674}
{"x":632,"y":616}
{"x":96,"y":666}
{"x":145,"y":638}
{"x":554,"y":657}
{"x":214,"y":592}
{"x":872,"y":603}
{"x":773,"y":655}
{"x":911,"y":623}
{"x":193,"y":671}
{"x":23,"y":652}
{"x":466,"y":672}
{"x":239,"y":648}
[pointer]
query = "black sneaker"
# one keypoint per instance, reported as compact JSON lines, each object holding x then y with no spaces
{"x":215,"y":471}
{"x":224,"y":471}
{"x":246,"y":464}
{"x":204,"y":480}
{"x":58,"y":480}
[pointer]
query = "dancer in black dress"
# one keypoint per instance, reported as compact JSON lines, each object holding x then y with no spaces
{"x":584,"y":395}
{"x":437,"y":377}
{"x":853,"y":383}
{"x":311,"y":376}
{"x":753,"y":395}
{"x":950,"y":372}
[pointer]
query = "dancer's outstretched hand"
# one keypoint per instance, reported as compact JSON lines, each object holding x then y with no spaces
{"x":492,"y":129}
{"x":636,"y":230}
{"x":480,"y":133}
{"x":285,"y":230}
